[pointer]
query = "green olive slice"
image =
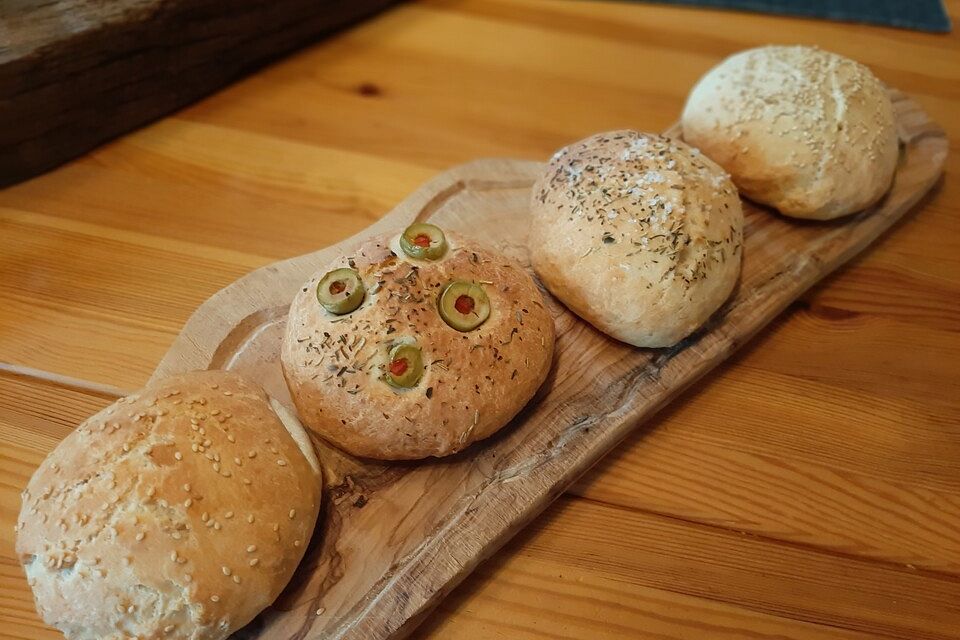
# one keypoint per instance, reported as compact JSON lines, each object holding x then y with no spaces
{"x":405,"y":366}
{"x":340,"y":291}
{"x":464,"y":305}
{"x":423,"y":241}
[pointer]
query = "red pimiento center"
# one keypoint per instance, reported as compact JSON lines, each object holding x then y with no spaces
{"x":464,"y":304}
{"x":422,"y":240}
{"x":337,"y":286}
{"x":398,"y":367}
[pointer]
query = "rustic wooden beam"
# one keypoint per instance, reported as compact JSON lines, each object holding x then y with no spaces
{"x":75,"y":73}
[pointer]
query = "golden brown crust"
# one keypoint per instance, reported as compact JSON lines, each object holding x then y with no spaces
{"x":178,"y":512}
{"x":638,"y":234}
{"x":806,"y":131}
{"x":474,"y":382}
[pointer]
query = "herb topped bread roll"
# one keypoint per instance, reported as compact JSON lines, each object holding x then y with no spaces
{"x":637,"y":234}
{"x":805,"y":131}
{"x":178,"y":512}
{"x":416,"y":345}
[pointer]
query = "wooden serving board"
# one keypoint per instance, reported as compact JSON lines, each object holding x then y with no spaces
{"x":395,"y":538}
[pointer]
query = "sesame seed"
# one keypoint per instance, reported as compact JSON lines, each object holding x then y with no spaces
{"x":215,"y":412}
{"x":186,"y":487}
{"x":293,"y":514}
{"x":320,"y":611}
{"x":254,"y":562}
{"x":187,"y":577}
{"x":252,"y":454}
{"x":126,"y":448}
{"x":216,"y":526}
{"x":188,"y":502}
{"x":231,"y":438}
{"x":236,"y":579}
{"x":176,"y":535}
{"x":276,"y":527}
{"x":296,"y":543}
{"x":194,"y":447}
{"x":228,"y":393}
{"x":216,"y":467}
{"x":238,"y":462}
{"x":204,"y":516}
{"x":173,"y":556}
{"x":251,"y":548}
{"x":214,"y":598}
{"x":168,"y":628}
{"x":130,"y":609}
{"x":228,"y":515}
{"x":250,"y":518}
{"x":151,"y":492}
{"x":282,"y":463}
{"x":246,"y":481}
{"x":140,"y":536}
{"x":178,"y":455}
{"x":226,"y":571}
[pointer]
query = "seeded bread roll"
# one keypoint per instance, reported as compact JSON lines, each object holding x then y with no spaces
{"x":472,"y":383}
{"x":637,"y":234}
{"x":178,"y":512}
{"x":805,"y":131}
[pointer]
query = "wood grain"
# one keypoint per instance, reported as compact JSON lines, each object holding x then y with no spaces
{"x":74,"y":74}
{"x":424,"y":528}
{"x":367,"y":116}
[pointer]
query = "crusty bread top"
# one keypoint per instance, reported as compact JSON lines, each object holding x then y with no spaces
{"x":638,"y":234}
{"x":473,"y":383}
{"x":806,"y":131}
{"x":185,"y":507}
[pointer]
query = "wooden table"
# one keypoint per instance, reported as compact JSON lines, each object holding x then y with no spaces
{"x":810,"y":488}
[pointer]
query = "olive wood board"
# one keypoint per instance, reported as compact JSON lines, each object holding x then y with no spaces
{"x":394,"y":538}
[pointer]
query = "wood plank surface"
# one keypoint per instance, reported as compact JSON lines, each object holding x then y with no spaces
{"x":840,"y":419}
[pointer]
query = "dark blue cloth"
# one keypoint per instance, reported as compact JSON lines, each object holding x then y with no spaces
{"x":922,"y":15}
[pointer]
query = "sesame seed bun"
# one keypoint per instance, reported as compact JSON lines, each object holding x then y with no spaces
{"x":473,"y":382}
{"x":806,"y":131}
{"x":637,"y":234}
{"x":178,"y":512}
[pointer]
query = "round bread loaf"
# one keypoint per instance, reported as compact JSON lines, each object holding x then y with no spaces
{"x":473,"y":382}
{"x":178,"y":512}
{"x":637,"y":234}
{"x":805,"y":131}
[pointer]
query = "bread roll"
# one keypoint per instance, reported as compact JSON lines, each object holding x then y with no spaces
{"x":178,"y":512}
{"x":638,"y":234}
{"x":473,"y":382}
{"x":805,"y":131}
